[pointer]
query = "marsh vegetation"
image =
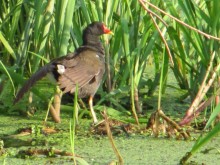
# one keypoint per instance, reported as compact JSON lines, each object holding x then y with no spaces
{"x":162,"y":72}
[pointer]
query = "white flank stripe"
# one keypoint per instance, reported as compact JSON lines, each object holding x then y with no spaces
{"x":60,"y":69}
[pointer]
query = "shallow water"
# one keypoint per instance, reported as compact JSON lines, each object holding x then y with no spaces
{"x":96,"y":149}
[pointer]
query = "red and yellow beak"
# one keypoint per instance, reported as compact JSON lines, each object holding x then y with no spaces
{"x":107,"y":31}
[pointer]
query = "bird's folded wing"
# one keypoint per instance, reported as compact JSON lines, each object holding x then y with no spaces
{"x":79,"y":70}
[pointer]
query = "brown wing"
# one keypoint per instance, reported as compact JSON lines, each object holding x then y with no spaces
{"x":79,"y":70}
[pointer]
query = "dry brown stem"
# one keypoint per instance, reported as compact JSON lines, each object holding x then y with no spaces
{"x":176,"y":19}
{"x":109,"y":133}
{"x":201,"y":93}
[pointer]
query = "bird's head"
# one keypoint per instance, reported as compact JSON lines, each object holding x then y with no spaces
{"x":97,"y":28}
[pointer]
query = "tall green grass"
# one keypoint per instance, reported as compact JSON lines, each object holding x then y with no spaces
{"x":32,"y":32}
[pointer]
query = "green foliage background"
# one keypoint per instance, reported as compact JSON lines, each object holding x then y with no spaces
{"x":32,"y":32}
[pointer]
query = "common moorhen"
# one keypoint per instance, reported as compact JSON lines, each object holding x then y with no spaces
{"x":84,"y":67}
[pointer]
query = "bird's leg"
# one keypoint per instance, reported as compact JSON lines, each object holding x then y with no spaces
{"x":55,"y":107}
{"x":92,"y":110}
{"x":57,"y":101}
{"x":53,"y":114}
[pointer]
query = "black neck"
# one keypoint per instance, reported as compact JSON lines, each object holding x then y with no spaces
{"x":93,"y":41}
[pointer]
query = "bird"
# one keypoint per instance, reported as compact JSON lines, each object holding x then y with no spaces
{"x":84,"y":67}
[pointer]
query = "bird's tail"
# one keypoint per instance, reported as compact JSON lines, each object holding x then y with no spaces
{"x":34,"y":78}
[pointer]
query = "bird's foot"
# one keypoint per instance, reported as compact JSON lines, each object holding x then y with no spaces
{"x":97,"y":123}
